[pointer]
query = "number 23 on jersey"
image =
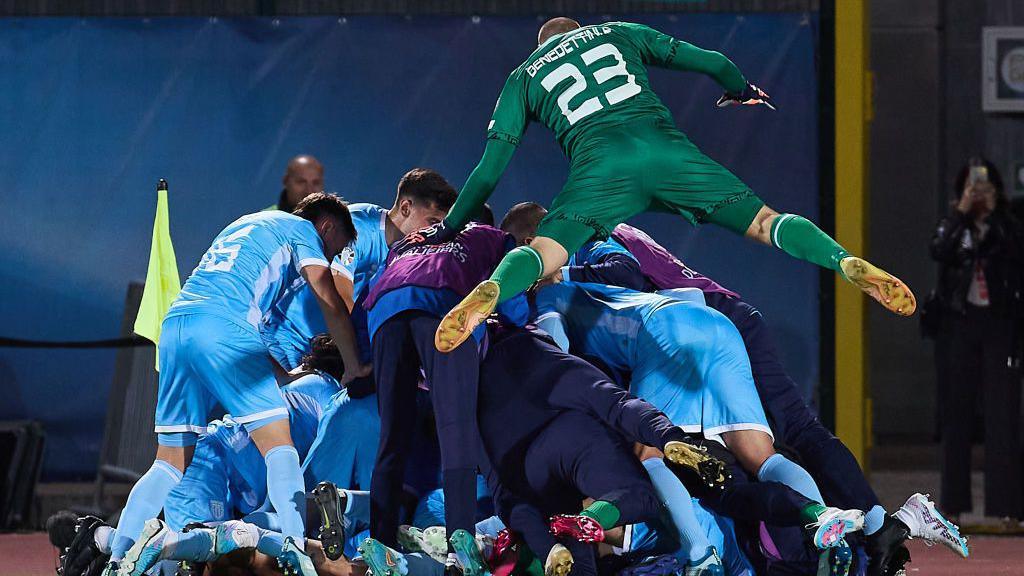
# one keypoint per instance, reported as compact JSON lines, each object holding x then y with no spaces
{"x":600,"y":75}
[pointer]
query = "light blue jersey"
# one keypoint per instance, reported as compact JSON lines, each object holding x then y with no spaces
{"x":598,"y":320}
{"x":593,"y":251}
{"x":296,"y":318}
{"x":686,"y":359}
{"x":249,"y":268}
{"x":345,"y":448}
{"x":364,"y":257}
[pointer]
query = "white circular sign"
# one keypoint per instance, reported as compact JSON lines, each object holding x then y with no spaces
{"x":1012,"y":69}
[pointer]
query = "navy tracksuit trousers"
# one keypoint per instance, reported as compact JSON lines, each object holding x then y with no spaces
{"x":401,"y":345}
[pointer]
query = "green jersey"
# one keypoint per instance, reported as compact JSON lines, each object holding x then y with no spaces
{"x":594,"y":77}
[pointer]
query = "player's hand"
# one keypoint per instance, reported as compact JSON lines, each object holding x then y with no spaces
{"x":361,"y":371}
{"x":431,"y":235}
{"x":750,"y":96}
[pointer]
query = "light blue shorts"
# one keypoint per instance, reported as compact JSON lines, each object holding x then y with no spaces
{"x":693,"y":366}
{"x":203,"y":494}
{"x":206,"y":361}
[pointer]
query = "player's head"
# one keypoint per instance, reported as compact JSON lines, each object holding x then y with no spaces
{"x":330,"y":216}
{"x":522,"y":220}
{"x":304,"y":176}
{"x":424,"y":198}
{"x":485,"y":215}
{"x":60,"y":527}
{"x":554,"y":27}
{"x":324,"y":357}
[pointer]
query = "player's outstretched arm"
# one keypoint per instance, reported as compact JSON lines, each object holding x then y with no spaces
{"x":339,"y":323}
{"x":662,"y":50}
{"x":481,"y":182}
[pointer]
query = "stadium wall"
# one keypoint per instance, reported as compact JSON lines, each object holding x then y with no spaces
{"x":94,"y":110}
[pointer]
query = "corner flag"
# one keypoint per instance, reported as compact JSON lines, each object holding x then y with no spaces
{"x":162,"y":280}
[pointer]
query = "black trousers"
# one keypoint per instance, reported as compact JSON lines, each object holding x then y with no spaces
{"x":577,"y":457}
{"x":981,"y":358}
{"x":401,"y":345}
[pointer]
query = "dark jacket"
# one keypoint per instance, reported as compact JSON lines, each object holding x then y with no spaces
{"x":1001,"y":253}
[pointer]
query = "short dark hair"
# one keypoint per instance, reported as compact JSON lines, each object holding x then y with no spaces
{"x":485,"y":215}
{"x":320,"y":204}
{"x":324,"y":357}
{"x":426,"y":186}
{"x":522,"y":220}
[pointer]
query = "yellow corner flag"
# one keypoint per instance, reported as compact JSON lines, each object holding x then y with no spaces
{"x":162,"y":280}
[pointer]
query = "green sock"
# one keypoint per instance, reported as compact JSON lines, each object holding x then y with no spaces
{"x":528,"y":563}
{"x":606,"y":514}
{"x":811,"y":512}
{"x":800,"y":238}
{"x":517,"y":271}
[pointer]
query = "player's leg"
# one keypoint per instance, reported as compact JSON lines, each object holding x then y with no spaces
{"x":693,"y":541}
{"x":592,"y":203}
{"x":800,"y":238}
{"x":453,"y":393}
{"x":702,"y":190}
{"x":238,"y":372}
{"x":182,"y":406}
{"x":579,"y":451}
{"x":396,"y":372}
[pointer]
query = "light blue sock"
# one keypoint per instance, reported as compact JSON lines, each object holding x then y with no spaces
{"x":145,"y":501}
{"x":270,"y":542}
{"x":874,"y":519}
{"x":778,"y":468}
{"x":287,"y":492}
{"x":194,"y":546}
{"x":693,"y":541}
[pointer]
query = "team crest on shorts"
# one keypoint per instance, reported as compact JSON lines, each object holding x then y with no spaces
{"x":216,"y":509}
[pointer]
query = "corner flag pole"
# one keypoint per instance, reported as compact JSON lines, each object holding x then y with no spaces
{"x":162,"y":280}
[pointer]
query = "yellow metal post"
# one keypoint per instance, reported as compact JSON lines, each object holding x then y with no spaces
{"x":852,"y":114}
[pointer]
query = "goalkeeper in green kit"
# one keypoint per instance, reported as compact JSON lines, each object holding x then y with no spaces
{"x":589,"y":86}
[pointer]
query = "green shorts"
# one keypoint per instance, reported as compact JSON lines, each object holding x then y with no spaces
{"x":650,"y":166}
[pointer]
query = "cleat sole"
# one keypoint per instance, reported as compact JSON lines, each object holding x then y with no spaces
{"x":711,"y":470}
{"x":457,"y":325}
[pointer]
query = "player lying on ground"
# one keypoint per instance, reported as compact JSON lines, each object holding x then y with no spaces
{"x":630,"y":258}
{"x":589,"y":86}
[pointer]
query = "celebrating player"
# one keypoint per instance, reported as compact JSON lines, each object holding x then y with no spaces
{"x":589,"y":86}
{"x":211,"y":353}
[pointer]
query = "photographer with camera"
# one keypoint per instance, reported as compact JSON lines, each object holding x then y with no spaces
{"x":980,"y":250}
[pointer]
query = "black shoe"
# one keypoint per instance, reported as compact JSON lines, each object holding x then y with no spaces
{"x":883,"y":545}
{"x":898,"y":562}
{"x":331,"y":504}
{"x":82,"y":553}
